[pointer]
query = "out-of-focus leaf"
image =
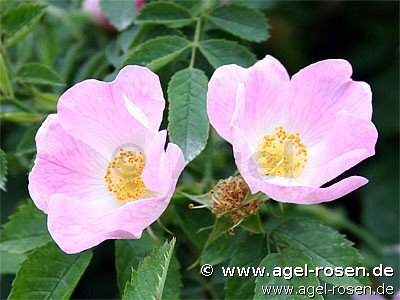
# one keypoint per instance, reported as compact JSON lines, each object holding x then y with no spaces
{"x":158,"y":52}
{"x":3,"y":170}
{"x":45,"y":101}
{"x":49,"y":273}
{"x":149,"y":279}
{"x":325,"y":246}
{"x":253,"y":224}
{"x":119,"y":13}
{"x":27,"y":143}
{"x":20,"y":21}
{"x":287,"y":258}
{"x":223,"y":52}
{"x":248,"y":253}
{"x":10,"y":262}
{"x":37,"y":73}
{"x":129,"y":36}
{"x":188,"y":123}
{"x":21,"y":117}
{"x":128,"y":254}
{"x":242,"y":21}
{"x":94,"y":67}
{"x":5,"y":84}
{"x":25,"y":230}
{"x":192,"y":6}
{"x":166,"y":13}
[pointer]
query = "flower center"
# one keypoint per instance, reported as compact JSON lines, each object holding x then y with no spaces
{"x":281,"y":154}
{"x":124,"y":176}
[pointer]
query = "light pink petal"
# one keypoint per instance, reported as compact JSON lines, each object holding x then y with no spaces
{"x":65,"y":165}
{"x":318,"y":92}
{"x":77,"y":225}
{"x":264,"y":90}
{"x":351,"y":140}
{"x":221,"y":97}
{"x":286,"y":191}
{"x":109,"y":115}
{"x":143,"y":88}
{"x":153,"y":159}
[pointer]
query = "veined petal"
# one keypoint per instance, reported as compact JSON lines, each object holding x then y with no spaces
{"x":221,"y":97}
{"x":109,"y":115}
{"x":318,"y":92}
{"x":65,"y":165}
{"x":352,"y":139}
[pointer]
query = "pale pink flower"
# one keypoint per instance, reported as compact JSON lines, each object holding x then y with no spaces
{"x":291,"y":136}
{"x":101,"y":171}
{"x":93,"y":8}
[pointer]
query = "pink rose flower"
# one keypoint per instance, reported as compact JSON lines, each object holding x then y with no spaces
{"x":101,"y":171}
{"x":93,"y":8}
{"x":291,"y":136}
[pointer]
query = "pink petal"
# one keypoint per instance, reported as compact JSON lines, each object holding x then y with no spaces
{"x":318,"y":92}
{"x":287,"y":191}
{"x":352,"y":140}
{"x":64,"y":165}
{"x":221,"y":97}
{"x":264,"y":87}
{"x":109,"y":115}
{"x":77,"y":225}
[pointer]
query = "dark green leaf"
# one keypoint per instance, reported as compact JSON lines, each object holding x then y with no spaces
{"x":156,"y":53}
{"x":223,"y":52}
{"x":248,"y":253}
{"x":173,"y":283}
{"x":286,"y":258}
{"x":49,"y":273}
{"x":149,"y":279}
{"x":167,"y":13}
{"x":37,"y":73}
{"x":3,"y":170}
{"x":27,"y":143}
{"x":45,"y":101}
{"x":188,"y":123}
{"x":242,"y":21}
{"x":128,"y":254}
{"x":119,"y":13}
{"x":325,"y":246}
{"x":253,"y":224}
{"x":25,"y":230}
{"x":20,"y":21}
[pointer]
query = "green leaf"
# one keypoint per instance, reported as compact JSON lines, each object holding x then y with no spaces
{"x":173,"y":283}
{"x":20,"y":21}
{"x":166,"y":13}
{"x":248,"y":253}
{"x":21,"y":117}
{"x":242,"y":21}
{"x":120,"y":13}
{"x":223,"y":52}
{"x":49,"y":273}
{"x":10,"y":262}
{"x":5,"y":84}
{"x":128,"y":254}
{"x":149,"y":279}
{"x":3,"y":170}
{"x":158,"y":52}
{"x":25,"y":230}
{"x":45,"y":101}
{"x":253,"y":224}
{"x":37,"y":73}
{"x":325,"y":246}
{"x":188,"y":123}
{"x":286,"y":258}
{"x":27,"y":142}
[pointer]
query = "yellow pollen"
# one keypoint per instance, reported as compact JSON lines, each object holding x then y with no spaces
{"x":124,"y":176}
{"x":281,"y":154}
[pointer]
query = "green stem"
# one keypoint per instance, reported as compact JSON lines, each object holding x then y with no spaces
{"x":195,"y":42}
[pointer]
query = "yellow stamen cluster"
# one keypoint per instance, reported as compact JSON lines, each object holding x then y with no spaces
{"x":229,"y":195}
{"x":124,"y":176}
{"x":281,"y":154}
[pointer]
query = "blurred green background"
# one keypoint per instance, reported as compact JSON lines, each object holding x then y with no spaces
{"x":364,"y":33}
